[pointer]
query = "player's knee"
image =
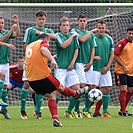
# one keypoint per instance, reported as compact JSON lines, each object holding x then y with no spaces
{"x":61,"y":88}
{"x":2,"y":75}
{"x":26,"y":84}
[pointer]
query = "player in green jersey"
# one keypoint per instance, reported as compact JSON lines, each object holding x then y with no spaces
{"x":31,"y":35}
{"x":5,"y":36}
{"x":102,"y":75}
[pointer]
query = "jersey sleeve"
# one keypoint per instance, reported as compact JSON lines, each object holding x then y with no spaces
{"x":27,"y":36}
{"x":44,"y":44}
{"x":119,"y":48}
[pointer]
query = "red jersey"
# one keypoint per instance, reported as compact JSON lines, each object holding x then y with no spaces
{"x":15,"y":73}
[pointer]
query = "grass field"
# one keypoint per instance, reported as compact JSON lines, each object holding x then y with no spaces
{"x":116,"y":124}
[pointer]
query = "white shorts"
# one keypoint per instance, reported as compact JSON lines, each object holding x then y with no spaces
{"x":84,"y":77}
{"x":24,"y":77}
{"x":102,"y":80}
{"x":67,"y":78}
{"x":5,"y":69}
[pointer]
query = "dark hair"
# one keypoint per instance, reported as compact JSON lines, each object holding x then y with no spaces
{"x":1,"y":18}
{"x":20,"y":57}
{"x":43,"y":36}
{"x":82,"y":16}
{"x":41,"y":14}
{"x":101,"y":21}
{"x":130,"y":28}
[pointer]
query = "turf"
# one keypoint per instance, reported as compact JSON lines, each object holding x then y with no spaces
{"x":116,"y":124}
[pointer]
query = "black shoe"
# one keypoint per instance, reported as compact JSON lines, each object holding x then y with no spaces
{"x":38,"y":115}
{"x":129,"y":114}
{"x":57,"y":123}
{"x":24,"y":115}
{"x":97,"y":115}
{"x":122,"y":114}
{"x":5,"y":113}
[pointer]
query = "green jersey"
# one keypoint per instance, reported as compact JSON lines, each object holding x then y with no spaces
{"x":31,"y":36}
{"x":65,"y":56}
{"x":4,"y":50}
{"x":104,"y":46}
{"x":85,"y":47}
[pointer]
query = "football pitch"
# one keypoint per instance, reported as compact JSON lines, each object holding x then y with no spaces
{"x":116,"y":124}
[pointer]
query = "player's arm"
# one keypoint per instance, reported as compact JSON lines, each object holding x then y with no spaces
{"x":11,"y":46}
{"x":48,"y":55}
{"x":105,"y":69}
{"x":86,"y":37}
{"x":51,"y":35}
{"x":66,"y":43}
{"x":16,"y":21}
{"x":71,"y":66}
{"x":87,"y":66}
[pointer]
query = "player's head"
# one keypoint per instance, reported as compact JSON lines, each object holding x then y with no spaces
{"x":1,"y":24}
{"x":101,"y":26}
{"x":20,"y":61}
{"x":40,"y":19}
{"x":130,"y":33}
{"x":82,"y":21}
{"x":44,"y":37}
{"x":64,"y":25}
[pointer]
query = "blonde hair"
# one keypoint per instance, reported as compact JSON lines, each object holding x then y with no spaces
{"x":64,"y":19}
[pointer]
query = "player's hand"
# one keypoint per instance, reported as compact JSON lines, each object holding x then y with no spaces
{"x":55,"y":56}
{"x":87,"y":67}
{"x":126,"y":70}
{"x":104,"y":70}
{"x":37,"y":32}
{"x":74,"y":34}
{"x":15,"y":18}
{"x":70,"y":67}
{"x":1,"y":39}
{"x":53,"y":65}
{"x":11,"y":46}
{"x":97,"y":57}
{"x":94,"y":30}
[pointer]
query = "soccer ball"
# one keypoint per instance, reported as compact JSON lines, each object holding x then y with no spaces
{"x":95,"y":95}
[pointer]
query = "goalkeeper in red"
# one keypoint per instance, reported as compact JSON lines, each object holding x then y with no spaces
{"x":124,"y":70}
{"x":38,"y":74}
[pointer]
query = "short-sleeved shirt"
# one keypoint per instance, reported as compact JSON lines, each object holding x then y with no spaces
{"x":104,"y":46}
{"x":36,"y":63}
{"x":65,"y":56}
{"x":31,"y":36}
{"x":16,"y":73}
{"x":85,"y":47}
{"x":124,"y":50}
{"x":4,"y":50}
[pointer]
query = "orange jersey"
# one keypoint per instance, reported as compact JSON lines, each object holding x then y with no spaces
{"x":36,"y":63}
{"x":124,"y":50}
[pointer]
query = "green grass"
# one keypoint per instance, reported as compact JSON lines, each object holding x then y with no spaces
{"x":116,"y":124}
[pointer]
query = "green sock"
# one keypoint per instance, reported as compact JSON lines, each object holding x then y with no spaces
{"x":105,"y":100}
{"x":24,"y":95}
{"x":77,"y":105}
{"x":57,"y":99}
{"x":87,"y":103}
{"x":71,"y":104}
{"x":38,"y":99}
{"x":4,"y":97}
{"x":1,"y":87}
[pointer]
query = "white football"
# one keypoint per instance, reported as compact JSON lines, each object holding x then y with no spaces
{"x":95,"y":95}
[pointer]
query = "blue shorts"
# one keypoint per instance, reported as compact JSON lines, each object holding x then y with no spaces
{"x":16,"y":84}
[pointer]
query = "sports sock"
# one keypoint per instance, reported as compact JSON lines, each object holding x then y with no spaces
{"x":98,"y":106}
{"x":57,"y":99}
{"x":1,"y":87}
{"x":128,"y":97}
{"x":105,"y":100}
{"x":53,"y":108}
{"x":77,"y":105}
{"x":122,"y":99}
{"x":38,"y":99}
{"x":24,"y":95}
{"x":71,"y":104}
{"x":87,"y":103}
{"x":69,"y":92}
{"x":33,"y":97}
{"x":4,"y":97}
